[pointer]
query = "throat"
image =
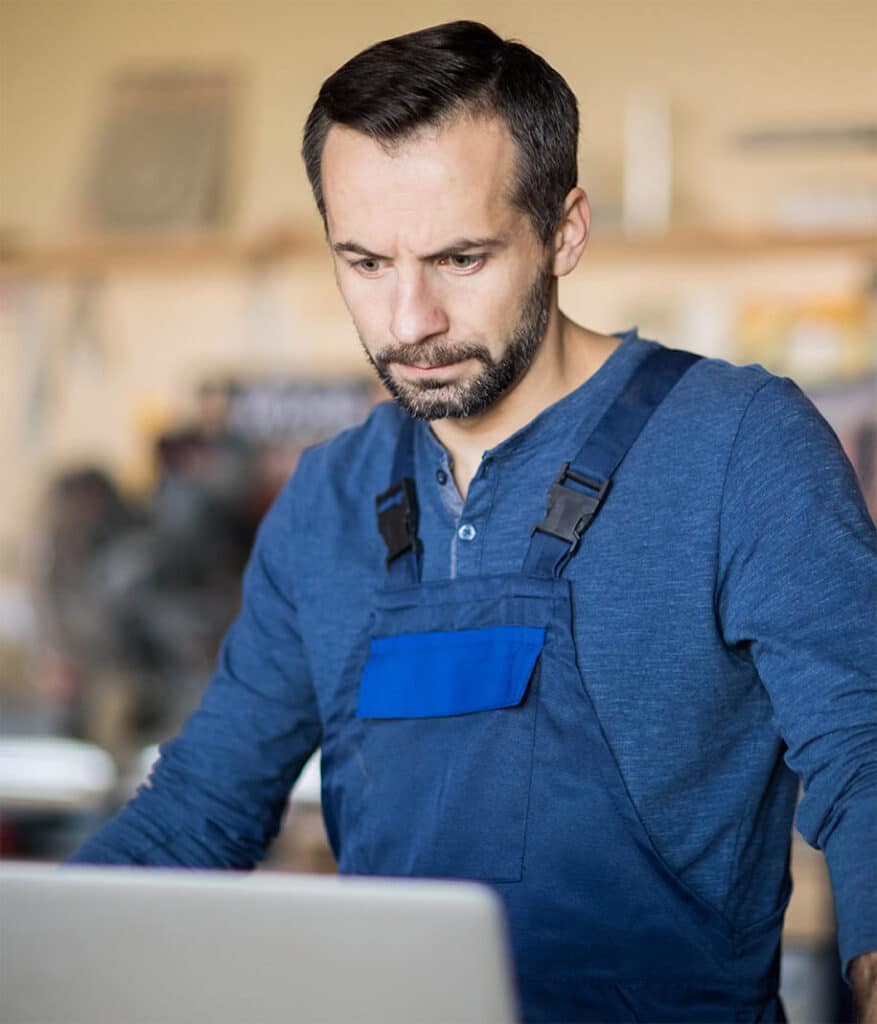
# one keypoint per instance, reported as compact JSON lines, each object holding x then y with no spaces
{"x":548,"y":381}
{"x":464,"y":469}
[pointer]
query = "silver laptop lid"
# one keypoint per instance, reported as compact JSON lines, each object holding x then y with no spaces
{"x":131,"y":946}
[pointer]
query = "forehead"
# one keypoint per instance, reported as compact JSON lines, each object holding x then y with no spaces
{"x":455,"y":180}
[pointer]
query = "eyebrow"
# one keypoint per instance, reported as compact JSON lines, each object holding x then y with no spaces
{"x":455,"y":248}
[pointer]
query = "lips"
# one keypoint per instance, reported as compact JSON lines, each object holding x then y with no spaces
{"x":415,"y":368}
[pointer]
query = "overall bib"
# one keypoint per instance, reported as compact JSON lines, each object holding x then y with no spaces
{"x":475,"y":752}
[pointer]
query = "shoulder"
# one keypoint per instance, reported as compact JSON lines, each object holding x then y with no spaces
{"x":748,"y":436}
{"x":783,"y":461}
{"x":748,"y":406}
{"x":768,"y":414}
{"x":720,"y":387}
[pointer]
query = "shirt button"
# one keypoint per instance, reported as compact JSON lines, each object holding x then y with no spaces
{"x":466,"y":532}
{"x":441,"y":476}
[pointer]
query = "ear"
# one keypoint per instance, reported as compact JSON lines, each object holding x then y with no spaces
{"x":572,"y":233}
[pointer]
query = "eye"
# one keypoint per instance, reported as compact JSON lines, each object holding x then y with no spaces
{"x":368,"y":265}
{"x":463,"y":261}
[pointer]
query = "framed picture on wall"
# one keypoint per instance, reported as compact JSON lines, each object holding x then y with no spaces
{"x":162,"y":155}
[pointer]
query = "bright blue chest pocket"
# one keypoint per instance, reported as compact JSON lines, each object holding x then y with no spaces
{"x":451,"y":672}
{"x":447,"y":725}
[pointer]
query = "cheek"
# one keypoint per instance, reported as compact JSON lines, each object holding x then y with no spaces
{"x":484,"y":309}
{"x":368,"y":305}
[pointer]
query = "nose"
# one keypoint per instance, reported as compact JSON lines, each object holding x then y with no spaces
{"x":417,"y":312}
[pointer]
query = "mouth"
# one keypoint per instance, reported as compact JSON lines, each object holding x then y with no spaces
{"x":429,"y":371}
{"x":425,"y":372}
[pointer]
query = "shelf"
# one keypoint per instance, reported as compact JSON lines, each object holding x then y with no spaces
{"x":199,"y":254}
{"x":684,"y":245}
{"x":155,"y":255}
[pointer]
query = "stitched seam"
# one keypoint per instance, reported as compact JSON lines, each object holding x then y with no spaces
{"x":453,"y":639}
{"x":297,"y":604}
{"x":731,"y":452}
{"x":487,"y":517}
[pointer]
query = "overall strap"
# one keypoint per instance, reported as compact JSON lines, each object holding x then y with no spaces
{"x":396,"y":510}
{"x":581,"y":485}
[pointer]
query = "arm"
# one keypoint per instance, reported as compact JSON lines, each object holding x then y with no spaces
{"x":797,"y":594}
{"x":217,"y":793}
{"x":863,"y":975}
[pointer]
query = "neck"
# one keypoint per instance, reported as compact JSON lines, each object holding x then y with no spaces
{"x":569,"y":355}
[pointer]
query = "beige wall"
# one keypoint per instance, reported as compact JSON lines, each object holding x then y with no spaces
{"x":724,"y":67}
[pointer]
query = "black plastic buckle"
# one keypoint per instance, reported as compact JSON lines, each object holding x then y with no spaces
{"x":569,"y":512}
{"x":398,"y":522}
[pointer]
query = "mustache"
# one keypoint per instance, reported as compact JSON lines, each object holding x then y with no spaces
{"x":430,"y":353}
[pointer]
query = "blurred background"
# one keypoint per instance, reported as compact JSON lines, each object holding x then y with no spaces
{"x":170,"y":334}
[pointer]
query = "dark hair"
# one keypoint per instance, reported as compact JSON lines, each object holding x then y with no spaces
{"x":426,"y":78}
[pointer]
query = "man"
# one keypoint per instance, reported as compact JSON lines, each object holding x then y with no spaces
{"x":598,"y":715}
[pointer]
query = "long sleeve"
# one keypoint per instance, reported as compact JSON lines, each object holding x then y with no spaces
{"x":796,"y":593}
{"x":217,"y":793}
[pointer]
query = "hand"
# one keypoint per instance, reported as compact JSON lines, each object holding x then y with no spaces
{"x":863,"y":976}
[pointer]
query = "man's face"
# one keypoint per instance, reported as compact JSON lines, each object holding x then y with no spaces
{"x":448,"y":287}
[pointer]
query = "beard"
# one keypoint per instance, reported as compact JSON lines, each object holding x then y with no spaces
{"x":437,"y":400}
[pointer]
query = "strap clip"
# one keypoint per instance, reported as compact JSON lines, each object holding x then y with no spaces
{"x":569,"y":511}
{"x":397,"y":519}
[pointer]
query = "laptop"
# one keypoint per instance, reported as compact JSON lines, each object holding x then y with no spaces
{"x":134,"y":946}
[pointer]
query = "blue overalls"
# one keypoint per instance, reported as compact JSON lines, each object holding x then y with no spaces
{"x":475,"y":752}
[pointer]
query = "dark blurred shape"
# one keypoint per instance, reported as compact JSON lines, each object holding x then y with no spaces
{"x":138,"y":600}
{"x":204,"y":518}
{"x":54,"y":792}
{"x":86,"y":671}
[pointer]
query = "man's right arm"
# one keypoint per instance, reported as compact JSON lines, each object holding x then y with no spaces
{"x":216,"y":795}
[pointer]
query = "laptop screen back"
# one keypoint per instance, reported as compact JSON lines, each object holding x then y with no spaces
{"x":129,"y":946}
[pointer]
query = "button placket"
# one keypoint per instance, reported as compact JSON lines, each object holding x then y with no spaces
{"x":474,"y":516}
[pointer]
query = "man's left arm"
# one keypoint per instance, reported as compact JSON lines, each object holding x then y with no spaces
{"x":797,"y":574}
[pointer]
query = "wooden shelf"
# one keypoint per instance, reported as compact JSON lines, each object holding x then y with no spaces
{"x":156,"y":255}
{"x":95,"y":257}
{"x":724,"y":245}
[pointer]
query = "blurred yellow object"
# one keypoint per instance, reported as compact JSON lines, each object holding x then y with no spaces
{"x":817,"y":341}
{"x":152,"y":415}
